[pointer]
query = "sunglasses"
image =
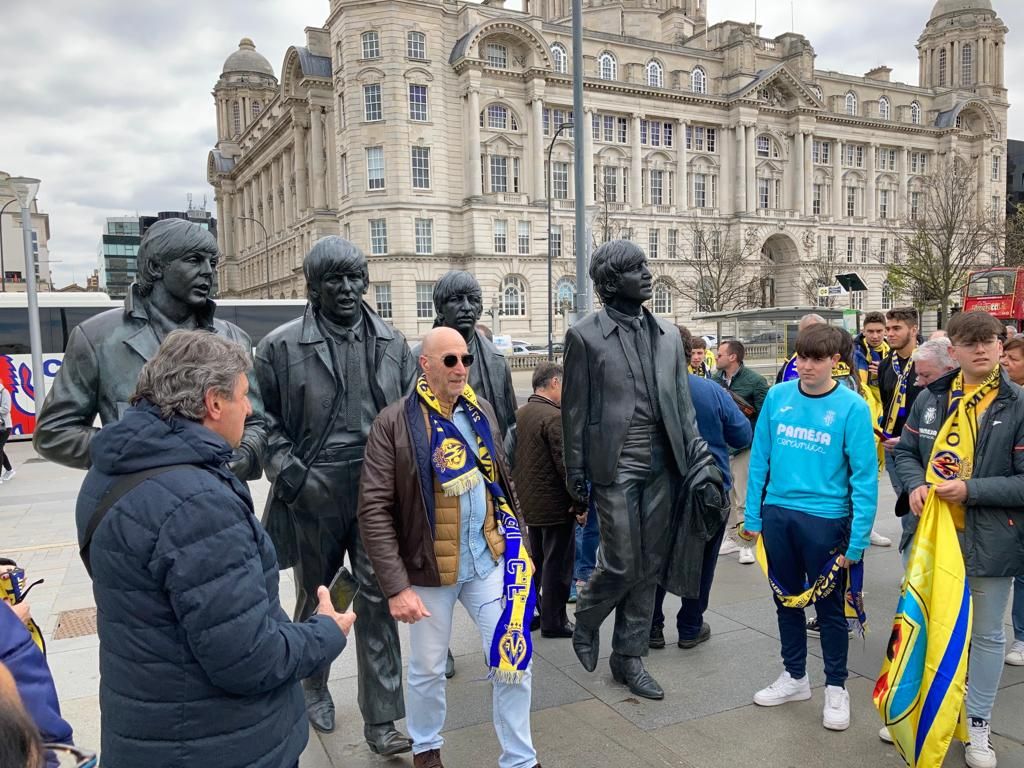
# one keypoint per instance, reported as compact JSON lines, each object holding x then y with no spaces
{"x":450,"y":361}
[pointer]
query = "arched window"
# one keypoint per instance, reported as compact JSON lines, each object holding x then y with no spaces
{"x":851,"y":103}
{"x":513,"y":297}
{"x":565,"y":295}
{"x":606,"y":67}
{"x":967,"y":64}
{"x":888,"y":296}
{"x":236,"y":118}
{"x":416,"y":45}
{"x":698,"y":81}
{"x":884,"y":109}
{"x":942,"y":67}
{"x":560,"y":58}
{"x":257,"y":107}
{"x":371,"y":45}
{"x":499,"y":118}
{"x":959,"y":121}
{"x":662,"y":299}
{"x":817,"y":92}
{"x":915,"y":113}
{"x":766,"y":147}
{"x":497,"y":55}
{"x":655,"y":74}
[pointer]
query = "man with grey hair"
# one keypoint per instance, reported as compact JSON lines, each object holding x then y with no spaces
{"x":177,"y":261}
{"x":199,"y":663}
{"x":933,"y":359}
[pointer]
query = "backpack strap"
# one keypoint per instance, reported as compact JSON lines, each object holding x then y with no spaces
{"x":117,"y":490}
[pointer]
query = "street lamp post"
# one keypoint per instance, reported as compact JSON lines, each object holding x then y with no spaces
{"x":25,"y":190}
{"x":3,"y":270}
{"x":266,"y":247}
{"x":551,"y":298}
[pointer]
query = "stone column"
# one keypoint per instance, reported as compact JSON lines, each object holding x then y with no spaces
{"x":275,"y":192}
{"x":301,"y":174}
{"x":218,"y":200}
{"x":588,"y":154}
{"x":837,"y":180}
{"x":902,"y":203}
{"x":1000,"y":71}
{"x":317,"y":158}
{"x":751,"y":168}
{"x":682,"y":172}
{"x":870,"y":203}
{"x":636,"y":192}
{"x":740,"y":179}
{"x":331,"y":182}
{"x":809,"y":175}
{"x":800,"y":172}
{"x":287,"y":170}
{"x":267,"y":196}
{"x":227,"y":225}
{"x":475,"y":171}
{"x":539,"y":148}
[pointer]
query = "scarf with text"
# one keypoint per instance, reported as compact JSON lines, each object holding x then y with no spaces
{"x":898,"y":404}
{"x":789,"y":372}
{"x":512,"y":646}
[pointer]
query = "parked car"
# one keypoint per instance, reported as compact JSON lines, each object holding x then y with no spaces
{"x":521,"y":349}
{"x":768,"y":337}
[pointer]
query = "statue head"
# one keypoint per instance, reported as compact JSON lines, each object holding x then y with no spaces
{"x":337,"y":277}
{"x":619,"y":271}
{"x":458,"y":302}
{"x":180,"y":257}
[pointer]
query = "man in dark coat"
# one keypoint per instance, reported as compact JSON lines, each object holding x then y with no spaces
{"x":177,"y":261}
{"x":539,"y":475}
{"x":199,"y":664}
{"x":326,"y":376}
{"x":627,"y":419}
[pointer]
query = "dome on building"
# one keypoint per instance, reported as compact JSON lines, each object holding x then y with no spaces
{"x":246,"y":59}
{"x":942,"y":7}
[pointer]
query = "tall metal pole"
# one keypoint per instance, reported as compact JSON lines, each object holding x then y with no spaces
{"x":579,"y":120}
{"x":551,"y":298}
{"x":35,"y":338}
{"x":3,"y":270}
{"x":266,"y":247}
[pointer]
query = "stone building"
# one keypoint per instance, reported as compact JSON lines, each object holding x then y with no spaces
{"x":421,"y":130}
{"x":13,"y":264}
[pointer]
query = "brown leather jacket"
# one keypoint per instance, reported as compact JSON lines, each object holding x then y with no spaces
{"x":539,"y":465}
{"x":398,"y":515}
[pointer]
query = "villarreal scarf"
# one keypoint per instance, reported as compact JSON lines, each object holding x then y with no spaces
{"x":511,"y":647}
{"x":789,"y":372}
{"x":898,"y":405}
{"x":921,"y":688}
{"x":701,"y":370}
{"x":13,"y":589}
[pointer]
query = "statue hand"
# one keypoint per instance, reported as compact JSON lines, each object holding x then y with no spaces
{"x":576,"y":484}
{"x":241,"y":464}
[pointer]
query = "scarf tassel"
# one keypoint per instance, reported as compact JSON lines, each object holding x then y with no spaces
{"x":463,"y":484}
{"x":507,"y":676}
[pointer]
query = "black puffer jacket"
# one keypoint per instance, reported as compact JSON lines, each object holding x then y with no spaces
{"x":994,"y":526}
{"x":199,"y":665}
{"x":539,"y":468}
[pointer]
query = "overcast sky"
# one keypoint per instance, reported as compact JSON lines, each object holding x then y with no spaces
{"x":108,"y":101}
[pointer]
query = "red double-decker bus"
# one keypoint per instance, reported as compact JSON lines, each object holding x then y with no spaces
{"x":998,"y":291}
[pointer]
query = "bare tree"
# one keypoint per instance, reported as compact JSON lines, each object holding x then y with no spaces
{"x":948,"y":238}
{"x":608,"y":226}
{"x":1013,"y":246}
{"x":818,"y":271}
{"x":723,"y":267}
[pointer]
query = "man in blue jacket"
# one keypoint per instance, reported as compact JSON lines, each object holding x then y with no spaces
{"x":199,"y":664}
{"x":723,"y":426}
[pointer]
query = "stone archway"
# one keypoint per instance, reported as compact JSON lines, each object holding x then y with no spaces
{"x":780,"y":271}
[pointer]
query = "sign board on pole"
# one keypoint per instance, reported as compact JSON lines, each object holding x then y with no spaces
{"x":831,"y":290}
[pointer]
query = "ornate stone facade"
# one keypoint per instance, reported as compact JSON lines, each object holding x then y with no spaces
{"x":421,"y":130}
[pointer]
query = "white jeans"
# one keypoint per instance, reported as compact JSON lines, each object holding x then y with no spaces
{"x":428,"y":650}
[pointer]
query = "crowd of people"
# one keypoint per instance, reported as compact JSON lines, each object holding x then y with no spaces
{"x":631,"y":468}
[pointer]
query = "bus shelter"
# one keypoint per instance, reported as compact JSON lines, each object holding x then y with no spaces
{"x":769,"y":334}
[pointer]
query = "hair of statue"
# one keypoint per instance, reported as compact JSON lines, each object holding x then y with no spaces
{"x":332,"y":255}
{"x":453,"y":283}
{"x":166,"y":241}
{"x":611,"y":261}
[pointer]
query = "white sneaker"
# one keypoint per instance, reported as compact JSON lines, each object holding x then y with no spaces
{"x":1015,"y":656}
{"x":836,"y":714}
{"x":879,"y":540}
{"x":728,"y":546}
{"x":747,"y":555}
{"x":783,"y":690}
{"x":884,"y":735}
{"x":8,"y":474}
{"x":978,"y":752}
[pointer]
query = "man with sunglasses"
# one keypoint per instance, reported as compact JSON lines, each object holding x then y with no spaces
{"x":441,"y":523}
{"x":327,"y":375}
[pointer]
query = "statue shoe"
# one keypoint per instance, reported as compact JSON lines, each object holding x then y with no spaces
{"x":386,"y":740}
{"x":587,"y":644}
{"x":630,"y":671}
{"x":319,"y":704}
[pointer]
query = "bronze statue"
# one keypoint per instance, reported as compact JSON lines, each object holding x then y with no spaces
{"x":177,"y":262}
{"x":627,"y":419}
{"x":326,"y":376}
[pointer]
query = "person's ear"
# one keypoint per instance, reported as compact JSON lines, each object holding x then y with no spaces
{"x":214,"y":402}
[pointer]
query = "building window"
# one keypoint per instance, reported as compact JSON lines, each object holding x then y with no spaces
{"x":497,"y":56}
{"x":883,"y":250}
{"x":499,"y":173}
{"x":851,"y":247}
{"x":673,"y":243}
{"x":817,"y":192}
{"x":915,"y":113}
{"x":500,"y":236}
{"x":372,"y":109}
{"x":236,"y":118}
{"x":560,"y":59}
{"x":915,"y":205}
{"x":942,"y":67}
{"x":418,"y":103}
{"x":371,"y":45}
{"x":421,"y":167}
{"x":763,"y":146}
{"x":851,"y":202}
{"x":606,"y":67}
{"x":821,"y":152}
{"x":967,"y":64}
{"x":560,"y":181}
{"x":997,"y":165}
{"x":382,"y":299}
{"x":830,"y":248}
{"x":701,"y":139}
{"x":886,"y":159}
{"x":698,"y":81}
{"x":657,"y":187}
{"x":653,"y":241}
{"x":919,"y":162}
{"x":610,"y":184}
{"x":416,"y":46}
{"x":523,"y":238}
{"x":763,"y":193}
{"x":565,"y":295}
{"x":257,"y":108}
{"x":424,"y":237}
{"x":851,"y":103}
{"x":500,"y":118}
{"x":865,"y":246}
{"x":555,"y":241}
{"x":424,"y":299}
{"x":884,"y":109}
{"x":378,"y":237}
{"x":883,"y":203}
{"x":853,"y":155}
{"x":700,"y":190}
{"x":375,"y":168}
{"x":662,"y":299}
{"x":513,"y":297}
{"x":655,"y":74}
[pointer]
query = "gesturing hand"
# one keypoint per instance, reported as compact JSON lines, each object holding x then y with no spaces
{"x":407,"y":607}
{"x":326,"y":608}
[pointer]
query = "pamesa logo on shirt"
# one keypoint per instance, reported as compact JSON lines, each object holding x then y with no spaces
{"x":803,"y":438}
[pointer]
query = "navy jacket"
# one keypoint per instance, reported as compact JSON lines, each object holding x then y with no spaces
{"x":720,"y":422}
{"x":199,"y":664}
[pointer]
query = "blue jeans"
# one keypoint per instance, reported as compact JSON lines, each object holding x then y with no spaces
{"x":588,"y":537}
{"x":690,"y":618}
{"x":1017,"y":611}
{"x":989,"y":597}
{"x":798,"y":546}
{"x":428,"y":651}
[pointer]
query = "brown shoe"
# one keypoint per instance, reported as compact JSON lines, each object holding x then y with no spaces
{"x":429,"y":759}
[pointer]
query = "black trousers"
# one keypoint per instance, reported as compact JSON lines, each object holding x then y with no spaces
{"x":633,"y":515}
{"x":554,"y":554}
{"x":4,"y":434}
{"x":327,"y":530}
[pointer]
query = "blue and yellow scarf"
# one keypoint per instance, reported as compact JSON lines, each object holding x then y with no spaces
{"x":512,"y":646}
{"x":898,"y":406}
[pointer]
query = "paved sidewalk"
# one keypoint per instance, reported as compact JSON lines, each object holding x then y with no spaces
{"x":581,"y":720}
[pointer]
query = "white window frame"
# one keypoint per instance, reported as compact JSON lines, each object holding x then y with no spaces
{"x":378,"y":237}
{"x":419,"y":110}
{"x":371,"y":44}
{"x":699,"y":80}
{"x":373,"y":103}
{"x":382,"y":301}
{"x":416,"y":46}
{"x":424,"y":236}
{"x":374,"y":182}
{"x":607,"y":66}
{"x":419,"y":166}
